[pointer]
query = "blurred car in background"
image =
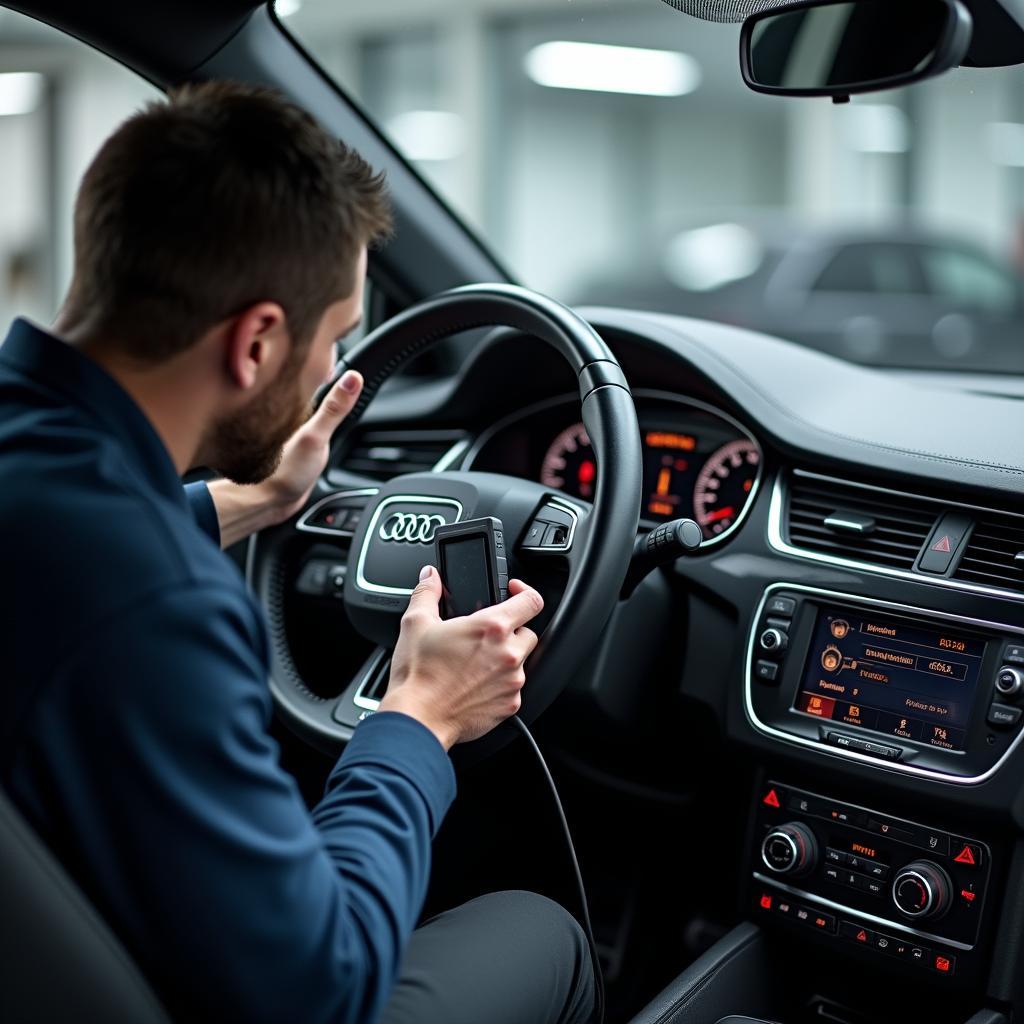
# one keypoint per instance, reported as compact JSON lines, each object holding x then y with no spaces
{"x":900,"y":297}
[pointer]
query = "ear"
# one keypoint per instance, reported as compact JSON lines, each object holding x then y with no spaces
{"x":256,"y":345}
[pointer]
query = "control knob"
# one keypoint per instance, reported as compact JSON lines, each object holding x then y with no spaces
{"x":774,"y":640}
{"x":1010,"y":681}
{"x":922,"y":889}
{"x":790,"y":849}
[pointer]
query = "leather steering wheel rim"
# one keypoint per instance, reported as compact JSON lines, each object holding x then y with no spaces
{"x":604,"y":547}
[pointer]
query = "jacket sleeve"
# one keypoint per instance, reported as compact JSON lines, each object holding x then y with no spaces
{"x":238,"y":901}
{"x":204,"y":511}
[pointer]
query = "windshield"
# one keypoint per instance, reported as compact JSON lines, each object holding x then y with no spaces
{"x":612,"y":155}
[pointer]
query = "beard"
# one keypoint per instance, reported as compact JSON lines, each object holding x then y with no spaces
{"x":247,"y":445}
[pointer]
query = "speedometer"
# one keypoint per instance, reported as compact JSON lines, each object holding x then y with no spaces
{"x":723,"y":486}
{"x":569,"y":463}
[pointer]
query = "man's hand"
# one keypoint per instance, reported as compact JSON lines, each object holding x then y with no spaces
{"x":243,"y":508}
{"x":305,"y":454}
{"x":462,"y":677}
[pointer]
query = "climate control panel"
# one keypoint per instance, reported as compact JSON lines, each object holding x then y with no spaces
{"x":892,"y":886}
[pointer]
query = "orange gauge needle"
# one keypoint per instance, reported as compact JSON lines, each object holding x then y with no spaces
{"x":721,"y":513}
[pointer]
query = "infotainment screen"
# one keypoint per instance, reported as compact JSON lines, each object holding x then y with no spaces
{"x":908,"y":680}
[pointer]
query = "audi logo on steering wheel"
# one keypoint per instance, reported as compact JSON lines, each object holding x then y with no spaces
{"x":410,"y":527}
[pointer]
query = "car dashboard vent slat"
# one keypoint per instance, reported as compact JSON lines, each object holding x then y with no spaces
{"x":383,"y":454}
{"x":849,"y":521}
{"x":993,"y":553}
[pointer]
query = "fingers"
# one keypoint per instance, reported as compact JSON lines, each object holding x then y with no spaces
{"x":526,"y":640}
{"x":426,"y":597}
{"x":523,"y":604}
{"x":337,"y":404}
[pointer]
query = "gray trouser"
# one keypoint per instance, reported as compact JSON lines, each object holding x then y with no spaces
{"x":504,"y":958}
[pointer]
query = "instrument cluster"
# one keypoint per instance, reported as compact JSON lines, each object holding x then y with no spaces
{"x":699,"y":463}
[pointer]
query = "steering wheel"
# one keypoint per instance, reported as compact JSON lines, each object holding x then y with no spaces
{"x":593,"y":541}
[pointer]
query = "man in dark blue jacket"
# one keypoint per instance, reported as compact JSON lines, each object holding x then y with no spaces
{"x":220,"y":250}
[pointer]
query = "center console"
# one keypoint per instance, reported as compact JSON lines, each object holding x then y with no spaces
{"x":907,"y":689}
{"x":912,"y":896}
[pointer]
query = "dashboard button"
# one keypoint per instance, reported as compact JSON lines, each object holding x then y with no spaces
{"x":934,"y":842}
{"x":766,"y":671}
{"x":943,"y":543}
{"x":890,"y":829}
{"x":856,"y":933}
{"x":821,"y":921}
{"x":966,"y":853}
{"x":787,"y":605}
{"x":1010,"y":681}
{"x":1003,"y":716}
{"x":1014,"y":653}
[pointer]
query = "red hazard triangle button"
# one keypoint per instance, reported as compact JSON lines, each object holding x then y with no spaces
{"x":942,"y":544}
{"x":969,"y":855}
{"x":771,"y":799}
{"x":862,"y":936}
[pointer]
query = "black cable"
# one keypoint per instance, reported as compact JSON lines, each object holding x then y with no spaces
{"x":599,"y":994}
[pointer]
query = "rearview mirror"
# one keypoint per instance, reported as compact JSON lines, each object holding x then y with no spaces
{"x":840,"y":47}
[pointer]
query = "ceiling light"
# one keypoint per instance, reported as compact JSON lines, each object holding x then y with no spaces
{"x":286,"y":8}
{"x":600,"y":68}
{"x":877,"y":128}
{"x":1006,"y":143}
{"x":427,"y":134}
{"x":20,"y":92}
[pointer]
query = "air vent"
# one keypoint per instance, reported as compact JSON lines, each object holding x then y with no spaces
{"x":382,"y":454}
{"x":994,"y":555}
{"x":859,"y":523}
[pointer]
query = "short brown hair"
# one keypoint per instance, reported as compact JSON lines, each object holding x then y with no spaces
{"x":222,"y":196}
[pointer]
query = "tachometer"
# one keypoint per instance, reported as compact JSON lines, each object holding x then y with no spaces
{"x":723,"y":486}
{"x":569,"y":463}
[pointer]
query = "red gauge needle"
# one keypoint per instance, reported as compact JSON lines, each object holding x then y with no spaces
{"x":722,"y":513}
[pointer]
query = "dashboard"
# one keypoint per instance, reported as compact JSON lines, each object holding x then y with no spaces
{"x":849,"y":637}
{"x":699,"y":462}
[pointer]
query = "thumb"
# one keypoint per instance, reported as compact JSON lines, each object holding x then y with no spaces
{"x":426,"y":597}
{"x":337,"y":403}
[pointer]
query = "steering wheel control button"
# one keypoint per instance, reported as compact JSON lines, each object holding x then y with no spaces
{"x":790,"y":850}
{"x":551,"y":531}
{"x":1002,"y":716}
{"x":338,"y":514}
{"x":766,"y":671}
{"x":319,"y":577}
{"x":1010,"y":681}
{"x":535,"y":534}
{"x":773,"y":641}
{"x":922,"y":890}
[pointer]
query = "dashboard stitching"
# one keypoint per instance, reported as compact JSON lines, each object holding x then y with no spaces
{"x":998,"y":467}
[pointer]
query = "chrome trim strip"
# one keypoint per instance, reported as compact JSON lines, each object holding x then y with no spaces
{"x":304,"y":526}
{"x":567,"y":546}
{"x":656,"y":395}
{"x":843,"y":909}
{"x":452,"y":455}
{"x":777,"y":541}
{"x":371,"y":673}
{"x":824,"y":748}
{"x":377,"y":588}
